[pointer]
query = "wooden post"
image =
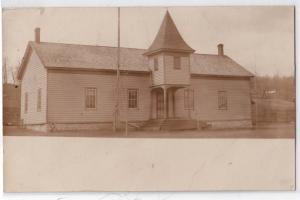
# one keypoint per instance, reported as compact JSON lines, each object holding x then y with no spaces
{"x":173,"y":102}
{"x":151,"y":106}
{"x":4,"y":71}
{"x":188,"y":102}
{"x":165,"y":103}
{"x":117,"y":109}
{"x":168,"y":103}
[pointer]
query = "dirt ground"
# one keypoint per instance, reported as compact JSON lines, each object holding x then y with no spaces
{"x":279,"y":130}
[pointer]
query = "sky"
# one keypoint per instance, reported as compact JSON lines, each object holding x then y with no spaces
{"x":261,"y":39}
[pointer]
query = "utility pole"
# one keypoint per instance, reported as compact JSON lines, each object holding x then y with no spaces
{"x":13,"y":77}
{"x":117,"y":106}
{"x":4,"y":71}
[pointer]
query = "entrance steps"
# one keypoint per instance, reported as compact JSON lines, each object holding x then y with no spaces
{"x":153,"y":125}
{"x":172,"y":124}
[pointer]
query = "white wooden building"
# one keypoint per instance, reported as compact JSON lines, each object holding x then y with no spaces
{"x":72,"y":87}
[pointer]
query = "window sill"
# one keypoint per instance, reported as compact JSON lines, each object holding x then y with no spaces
{"x":191,"y":109}
{"x":90,"y":109}
{"x":133,"y":108}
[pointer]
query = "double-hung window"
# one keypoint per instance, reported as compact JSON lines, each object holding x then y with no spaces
{"x":132,"y":98}
{"x":90,"y":98}
{"x":222,"y":100}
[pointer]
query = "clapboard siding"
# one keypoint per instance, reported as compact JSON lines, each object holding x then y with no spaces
{"x":177,"y":76}
{"x":66,"y":93}
{"x":166,"y":74}
{"x":206,"y":99}
{"x":35,"y":77}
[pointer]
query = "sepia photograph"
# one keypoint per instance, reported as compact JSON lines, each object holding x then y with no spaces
{"x":149,"y":98}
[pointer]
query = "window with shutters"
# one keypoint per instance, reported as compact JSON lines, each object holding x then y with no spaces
{"x":132,"y":98}
{"x":90,"y":98}
{"x":39,"y":100}
{"x":189,"y":99}
{"x":222,"y":100}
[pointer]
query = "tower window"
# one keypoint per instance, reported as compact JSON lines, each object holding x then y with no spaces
{"x":177,"y":62}
{"x":155,"y":64}
{"x":39,"y":100}
{"x":26,"y":103}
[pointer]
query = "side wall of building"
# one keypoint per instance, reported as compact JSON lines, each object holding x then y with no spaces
{"x":34,"y":78}
{"x":66,"y":97}
{"x":238,"y":112}
{"x":11,"y":104}
{"x":177,"y":76}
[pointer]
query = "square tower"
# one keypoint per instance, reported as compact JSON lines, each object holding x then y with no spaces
{"x":169,"y":56}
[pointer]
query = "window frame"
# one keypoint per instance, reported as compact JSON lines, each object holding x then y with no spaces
{"x":39,"y":100}
{"x":222,"y":99}
{"x":189,"y":99}
{"x":86,"y":90}
{"x":137,"y":98}
{"x":177,"y":62}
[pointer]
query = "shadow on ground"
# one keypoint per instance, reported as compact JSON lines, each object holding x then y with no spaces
{"x":283,"y":130}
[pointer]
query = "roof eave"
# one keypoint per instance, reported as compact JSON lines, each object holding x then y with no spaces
{"x":29,"y":49}
{"x":221,"y":76}
{"x":152,"y":52}
{"x":24,"y":61}
{"x":95,"y":70}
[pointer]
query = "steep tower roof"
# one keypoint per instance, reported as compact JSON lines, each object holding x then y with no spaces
{"x":168,"y":38}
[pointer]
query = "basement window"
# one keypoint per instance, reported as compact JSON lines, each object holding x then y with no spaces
{"x":189,"y":99}
{"x":177,"y":62}
{"x":222,"y":100}
{"x":39,"y":100}
{"x":132,"y":98}
{"x":90,"y":98}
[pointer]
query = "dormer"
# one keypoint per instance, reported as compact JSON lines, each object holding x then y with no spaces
{"x":169,"y":55}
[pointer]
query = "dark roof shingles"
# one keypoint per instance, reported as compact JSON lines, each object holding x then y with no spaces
{"x":168,"y":38}
{"x":100,"y":57}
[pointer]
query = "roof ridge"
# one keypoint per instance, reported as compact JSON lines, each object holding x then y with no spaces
{"x":105,"y":46}
{"x":206,"y":54}
{"x":68,"y":55}
{"x":87,"y":45}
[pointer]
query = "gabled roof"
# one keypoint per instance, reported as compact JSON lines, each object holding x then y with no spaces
{"x":168,"y":38}
{"x":209,"y":64}
{"x":87,"y":57}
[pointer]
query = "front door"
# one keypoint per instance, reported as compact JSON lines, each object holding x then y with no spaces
{"x":159,"y":105}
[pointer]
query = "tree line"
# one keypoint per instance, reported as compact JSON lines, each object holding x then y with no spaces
{"x":280,"y":87}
